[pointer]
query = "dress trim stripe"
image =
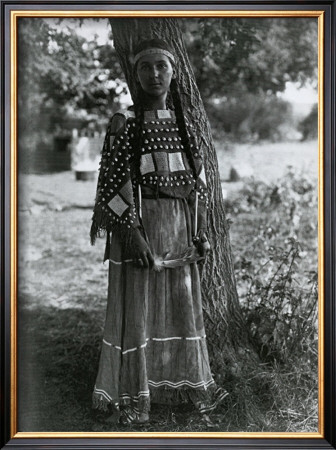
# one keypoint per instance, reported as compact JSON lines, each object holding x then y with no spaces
{"x":195,"y":338}
{"x":133,"y":349}
{"x":166,"y":339}
{"x":103,"y":393}
{"x":180,"y":383}
{"x":204,"y":384}
{"x":120,"y":262}
{"x":140,"y":394}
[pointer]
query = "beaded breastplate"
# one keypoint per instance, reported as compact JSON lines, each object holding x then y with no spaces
{"x":164,"y":165}
{"x":165,"y":169}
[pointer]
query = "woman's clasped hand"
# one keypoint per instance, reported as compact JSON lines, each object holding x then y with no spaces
{"x":142,"y":255}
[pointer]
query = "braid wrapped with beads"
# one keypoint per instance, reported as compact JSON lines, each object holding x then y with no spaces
{"x":174,"y":91}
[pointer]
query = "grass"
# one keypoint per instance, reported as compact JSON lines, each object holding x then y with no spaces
{"x":62,"y":300}
{"x":58,"y":361}
{"x":60,"y":348}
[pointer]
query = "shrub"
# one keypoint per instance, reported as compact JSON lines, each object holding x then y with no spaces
{"x":276,"y":271}
{"x":281,"y":314}
{"x":245,"y":117}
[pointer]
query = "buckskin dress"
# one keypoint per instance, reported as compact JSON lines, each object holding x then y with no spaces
{"x":154,"y":344}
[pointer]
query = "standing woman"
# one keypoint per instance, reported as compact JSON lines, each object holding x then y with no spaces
{"x":151,"y":202}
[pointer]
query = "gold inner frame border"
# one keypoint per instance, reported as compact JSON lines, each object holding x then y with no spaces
{"x":14,"y":15}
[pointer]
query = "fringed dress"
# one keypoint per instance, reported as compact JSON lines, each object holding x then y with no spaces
{"x":154,"y":345}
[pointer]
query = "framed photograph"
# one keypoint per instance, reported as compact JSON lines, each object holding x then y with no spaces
{"x":193,"y":145}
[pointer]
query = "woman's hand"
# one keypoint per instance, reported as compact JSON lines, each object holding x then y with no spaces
{"x":142,"y":254}
{"x":202,"y":244}
{"x":203,"y":248}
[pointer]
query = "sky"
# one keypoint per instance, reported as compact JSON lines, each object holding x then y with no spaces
{"x":91,"y":27}
{"x":305,"y":95}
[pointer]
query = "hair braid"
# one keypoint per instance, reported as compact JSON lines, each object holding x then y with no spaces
{"x":175,"y":93}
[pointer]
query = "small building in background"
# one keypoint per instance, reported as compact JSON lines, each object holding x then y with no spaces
{"x":73,"y":145}
{"x":85,"y":153}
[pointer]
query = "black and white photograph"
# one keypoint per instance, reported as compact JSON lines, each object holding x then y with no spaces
{"x":168,"y":224}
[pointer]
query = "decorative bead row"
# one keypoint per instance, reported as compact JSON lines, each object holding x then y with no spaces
{"x":157,"y":130}
{"x":166,"y":183}
{"x":169,"y":177}
{"x":175,"y":180}
{"x":160,"y":146}
{"x":159,"y":139}
{"x":160,"y":122}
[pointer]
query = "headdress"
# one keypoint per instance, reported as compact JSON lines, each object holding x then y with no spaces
{"x":151,"y":51}
{"x":153,"y":46}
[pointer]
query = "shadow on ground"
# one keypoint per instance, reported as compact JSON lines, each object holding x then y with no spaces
{"x":58,"y":361}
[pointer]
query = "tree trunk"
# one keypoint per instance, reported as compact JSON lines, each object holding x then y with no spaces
{"x":222,"y":314}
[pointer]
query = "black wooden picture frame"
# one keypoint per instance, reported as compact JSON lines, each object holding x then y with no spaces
{"x":326,"y":438}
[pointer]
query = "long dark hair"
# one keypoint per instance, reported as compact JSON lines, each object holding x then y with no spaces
{"x":139,"y":102}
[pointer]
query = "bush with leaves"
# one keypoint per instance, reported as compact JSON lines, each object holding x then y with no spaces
{"x":280,"y":314}
{"x":245,"y":116}
{"x":277,"y":270}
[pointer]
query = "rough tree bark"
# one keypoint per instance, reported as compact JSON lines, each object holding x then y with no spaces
{"x":223,"y":318}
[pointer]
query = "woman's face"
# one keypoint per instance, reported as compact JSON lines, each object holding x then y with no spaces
{"x":155,"y":72}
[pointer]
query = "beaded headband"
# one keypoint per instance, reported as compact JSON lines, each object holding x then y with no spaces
{"x":151,"y":51}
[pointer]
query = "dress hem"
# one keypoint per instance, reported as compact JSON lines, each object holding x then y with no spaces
{"x":164,"y":395}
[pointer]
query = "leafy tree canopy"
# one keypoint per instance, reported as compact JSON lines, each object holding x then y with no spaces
{"x":251,"y":54}
{"x":62,"y":71}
